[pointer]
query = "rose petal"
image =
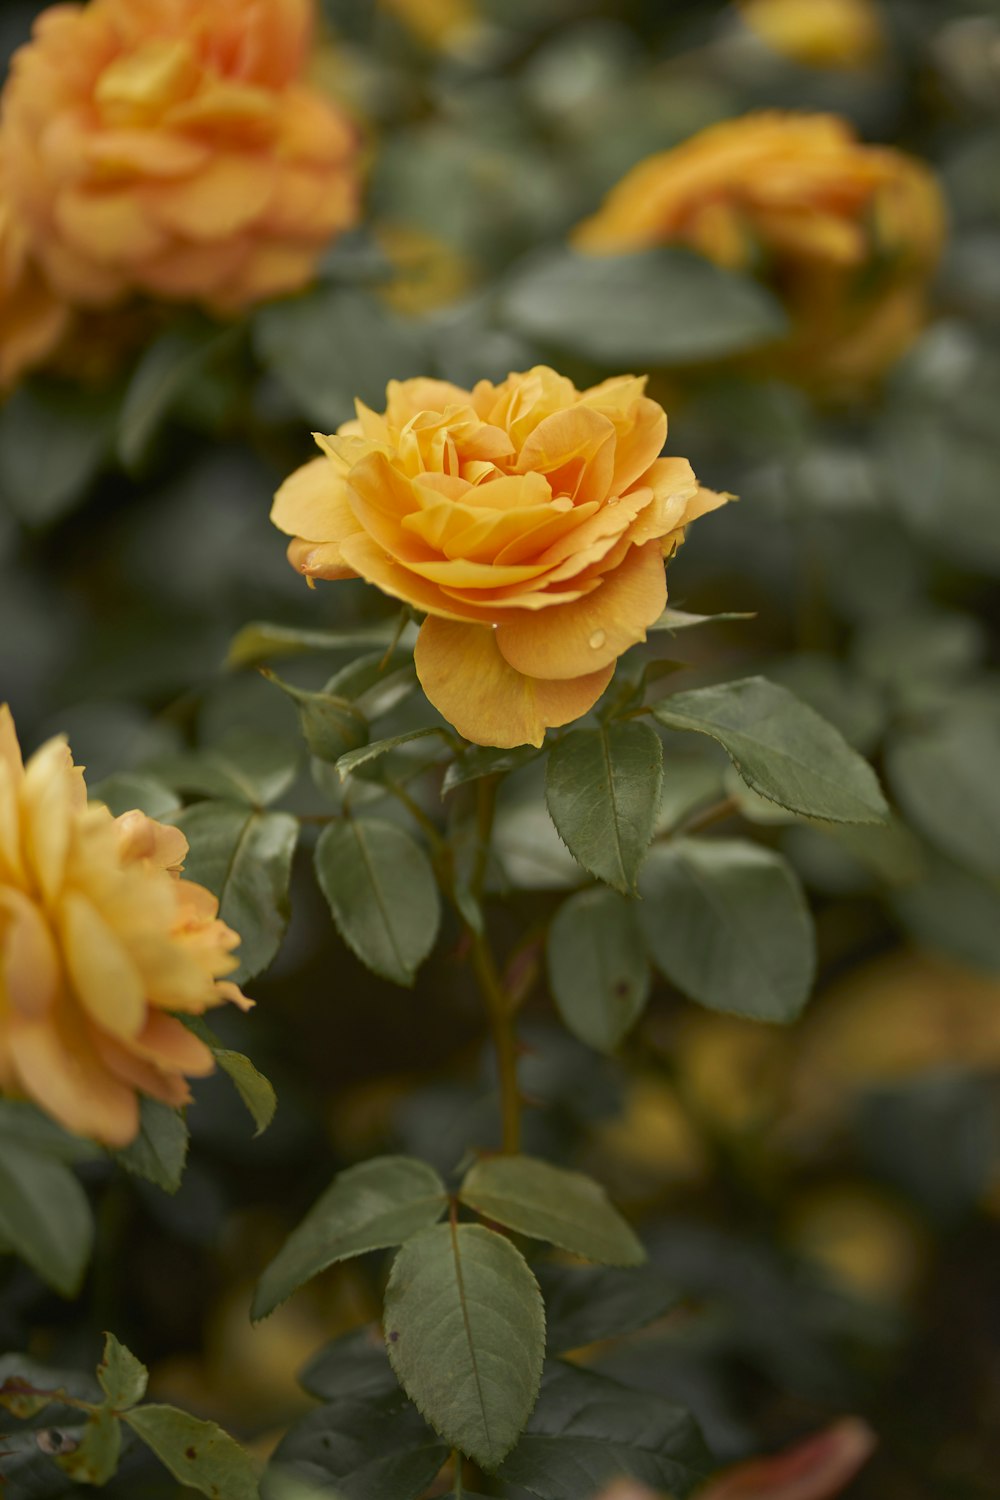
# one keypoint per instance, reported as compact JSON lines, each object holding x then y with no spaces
{"x":470,"y":683}
{"x":594,"y":631}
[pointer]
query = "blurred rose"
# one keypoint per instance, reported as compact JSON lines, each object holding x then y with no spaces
{"x":169,"y":147}
{"x":529,"y":520}
{"x":847,"y":235}
{"x":817,"y":1469}
{"x":32,"y":319}
{"x":100,"y":938}
{"x":818,"y":33}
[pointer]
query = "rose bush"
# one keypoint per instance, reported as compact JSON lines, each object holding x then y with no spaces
{"x":148,"y":146}
{"x":101,"y":939}
{"x":529,"y":520}
{"x":847,"y":235}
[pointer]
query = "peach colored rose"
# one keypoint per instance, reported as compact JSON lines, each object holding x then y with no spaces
{"x":171,"y":147}
{"x":847,"y":235}
{"x":33,"y":320}
{"x":529,"y":520}
{"x":820,"y":33}
{"x":100,"y":940}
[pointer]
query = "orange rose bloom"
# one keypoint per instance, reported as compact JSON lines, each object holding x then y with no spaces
{"x":846,"y":234}
{"x":32,"y":320}
{"x":529,"y":520}
{"x":169,"y":147}
{"x":100,"y":939}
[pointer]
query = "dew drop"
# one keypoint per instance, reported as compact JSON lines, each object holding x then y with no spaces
{"x":597,"y":640}
{"x":613,"y":500}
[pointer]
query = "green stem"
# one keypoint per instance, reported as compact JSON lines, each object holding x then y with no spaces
{"x":484,"y":967}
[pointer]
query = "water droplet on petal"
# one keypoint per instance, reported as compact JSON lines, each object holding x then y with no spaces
{"x":597,"y":640}
{"x":613,"y":500}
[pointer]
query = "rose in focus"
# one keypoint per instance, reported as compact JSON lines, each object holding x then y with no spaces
{"x":171,"y":148}
{"x":847,"y":235}
{"x":529,"y":520}
{"x":101,"y":939}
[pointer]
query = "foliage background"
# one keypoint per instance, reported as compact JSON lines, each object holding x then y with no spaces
{"x":825,"y":1198}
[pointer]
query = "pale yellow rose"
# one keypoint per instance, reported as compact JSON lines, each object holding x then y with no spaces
{"x":529,"y":520}
{"x":101,"y":939}
{"x":847,"y":235}
{"x":169,"y":147}
{"x":819,"y":33}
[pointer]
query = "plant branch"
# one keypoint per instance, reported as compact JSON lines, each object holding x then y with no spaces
{"x":491,"y":986}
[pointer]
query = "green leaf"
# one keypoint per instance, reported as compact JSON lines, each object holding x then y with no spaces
{"x":260,"y":641}
{"x":782,"y":749}
{"x":330,"y":725}
{"x":660,"y":307}
{"x":482,"y":760}
{"x":355,"y":1364}
{"x":597,"y":966}
{"x":95,"y":1460}
{"x":945,"y":777}
{"x":334,"y":344}
{"x":727,"y":923}
{"x":166,"y":367}
{"x":123,"y":1378}
{"x":382,"y":894}
{"x":369,"y":1207}
{"x":44,"y":1216}
{"x":23,"y":1124}
{"x":159,"y":1151}
{"x":244,"y":857}
{"x":588,"y":1430}
{"x":54,"y":439}
{"x":955,"y":912}
{"x":465,"y":1330}
{"x":243,"y":766}
{"x":129,"y":789}
{"x":586,"y":1303}
{"x":377,"y":683}
{"x":602,"y":787}
{"x":197,"y":1453}
{"x":349,"y":763}
{"x":256,"y":1091}
{"x":360,"y":1447}
{"x":551,"y":1203}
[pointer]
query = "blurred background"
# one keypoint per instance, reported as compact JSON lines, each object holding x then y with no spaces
{"x":824,"y":1198}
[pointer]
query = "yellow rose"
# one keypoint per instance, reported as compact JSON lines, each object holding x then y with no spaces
{"x":529,"y":520}
{"x":818,"y":33}
{"x":33,"y":320}
{"x":169,"y":147}
{"x":847,"y":235}
{"x":100,"y":940}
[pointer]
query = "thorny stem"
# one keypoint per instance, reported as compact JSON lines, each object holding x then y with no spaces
{"x":715,"y":813}
{"x":484,"y":966}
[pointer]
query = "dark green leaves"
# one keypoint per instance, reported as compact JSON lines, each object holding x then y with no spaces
{"x":368,"y":1207}
{"x":166,"y":368}
{"x":355,"y":759}
{"x":782,"y":749}
{"x":597,"y":966}
{"x":53,"y":441}
{"x":198,"y":1454}
{"x":660,"y":307}
{"x":261,"y":641}
{"x":587,"y":1303}
{"x":945,"y":777}
{"x":550,"y":1203}
{"x":727,"y":923}
{"x":159,"y":1151}
{"x":602,"y":787}
{"x":465,"y":1331}
{"x":44,"y":1215}
{"x":331,"y":725}
{"x":588,"y":1430}
{"x":244,"y":857}
{"x":362,"y":1446}
{"x":382,"y":894}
